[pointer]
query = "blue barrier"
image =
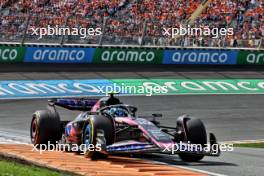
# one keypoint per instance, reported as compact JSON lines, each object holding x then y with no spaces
{"x":213,"y":57}
{"x":59,"y":55}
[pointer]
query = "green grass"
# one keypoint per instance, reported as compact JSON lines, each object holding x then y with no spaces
{"x":10,"y":168}
{"x":252,"y":145}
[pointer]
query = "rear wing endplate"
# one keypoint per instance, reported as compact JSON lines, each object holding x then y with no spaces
{"x":80,"y":104}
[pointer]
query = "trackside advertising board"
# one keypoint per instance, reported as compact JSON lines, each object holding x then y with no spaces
{"x":208,"y":57}
{"x":51,"y":88}
{"x":250,"y":58}
{"x":115,"y":55}
{"x":59,"y":55}
{"x":128,"y":56}
{"x":11,"y":54}
{"x":74,"y":88}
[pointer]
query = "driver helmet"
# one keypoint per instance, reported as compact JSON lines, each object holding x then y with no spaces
{"x":118,"y":112}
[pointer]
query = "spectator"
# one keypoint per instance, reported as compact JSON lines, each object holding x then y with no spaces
{"x":126,"y":19}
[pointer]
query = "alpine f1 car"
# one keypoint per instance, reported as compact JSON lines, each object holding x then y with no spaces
{"x":118,"y":129}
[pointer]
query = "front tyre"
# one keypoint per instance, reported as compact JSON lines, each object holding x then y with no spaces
{"x":97,"y":131}
{"x":196,"y":134}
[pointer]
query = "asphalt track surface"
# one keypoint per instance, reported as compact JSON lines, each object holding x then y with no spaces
{"x":230,"y":117}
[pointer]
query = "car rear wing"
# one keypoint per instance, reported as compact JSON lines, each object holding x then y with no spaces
{"x":79,"y":104}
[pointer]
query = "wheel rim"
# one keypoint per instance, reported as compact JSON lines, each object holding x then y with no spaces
{"x":34,"y":129}
{"x":87,"y":135}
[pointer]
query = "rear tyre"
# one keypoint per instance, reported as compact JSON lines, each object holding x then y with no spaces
{"x":95,"y":125}
{"x":45,"y":126}
{"x":196,"y":134}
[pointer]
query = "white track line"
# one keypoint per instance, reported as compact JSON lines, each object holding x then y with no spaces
{"x":7,"y":138}
{"x":201,"y":171}
{"x":189,"y":168}
{"x":244,"y":141}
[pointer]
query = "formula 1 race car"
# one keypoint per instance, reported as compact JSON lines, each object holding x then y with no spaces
{"x":117,"y":129}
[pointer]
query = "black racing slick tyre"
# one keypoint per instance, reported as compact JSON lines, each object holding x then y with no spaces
{"x":196,"y":134}
{"x":95,"y":125}
{"x":45,"y":127}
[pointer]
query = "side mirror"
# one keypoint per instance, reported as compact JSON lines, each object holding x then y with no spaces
{"x":102,"y":104}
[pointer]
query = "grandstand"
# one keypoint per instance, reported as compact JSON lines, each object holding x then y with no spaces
{"x":134,"y":22}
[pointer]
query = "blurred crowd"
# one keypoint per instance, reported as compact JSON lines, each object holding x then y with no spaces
{"x":137,"y":21}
